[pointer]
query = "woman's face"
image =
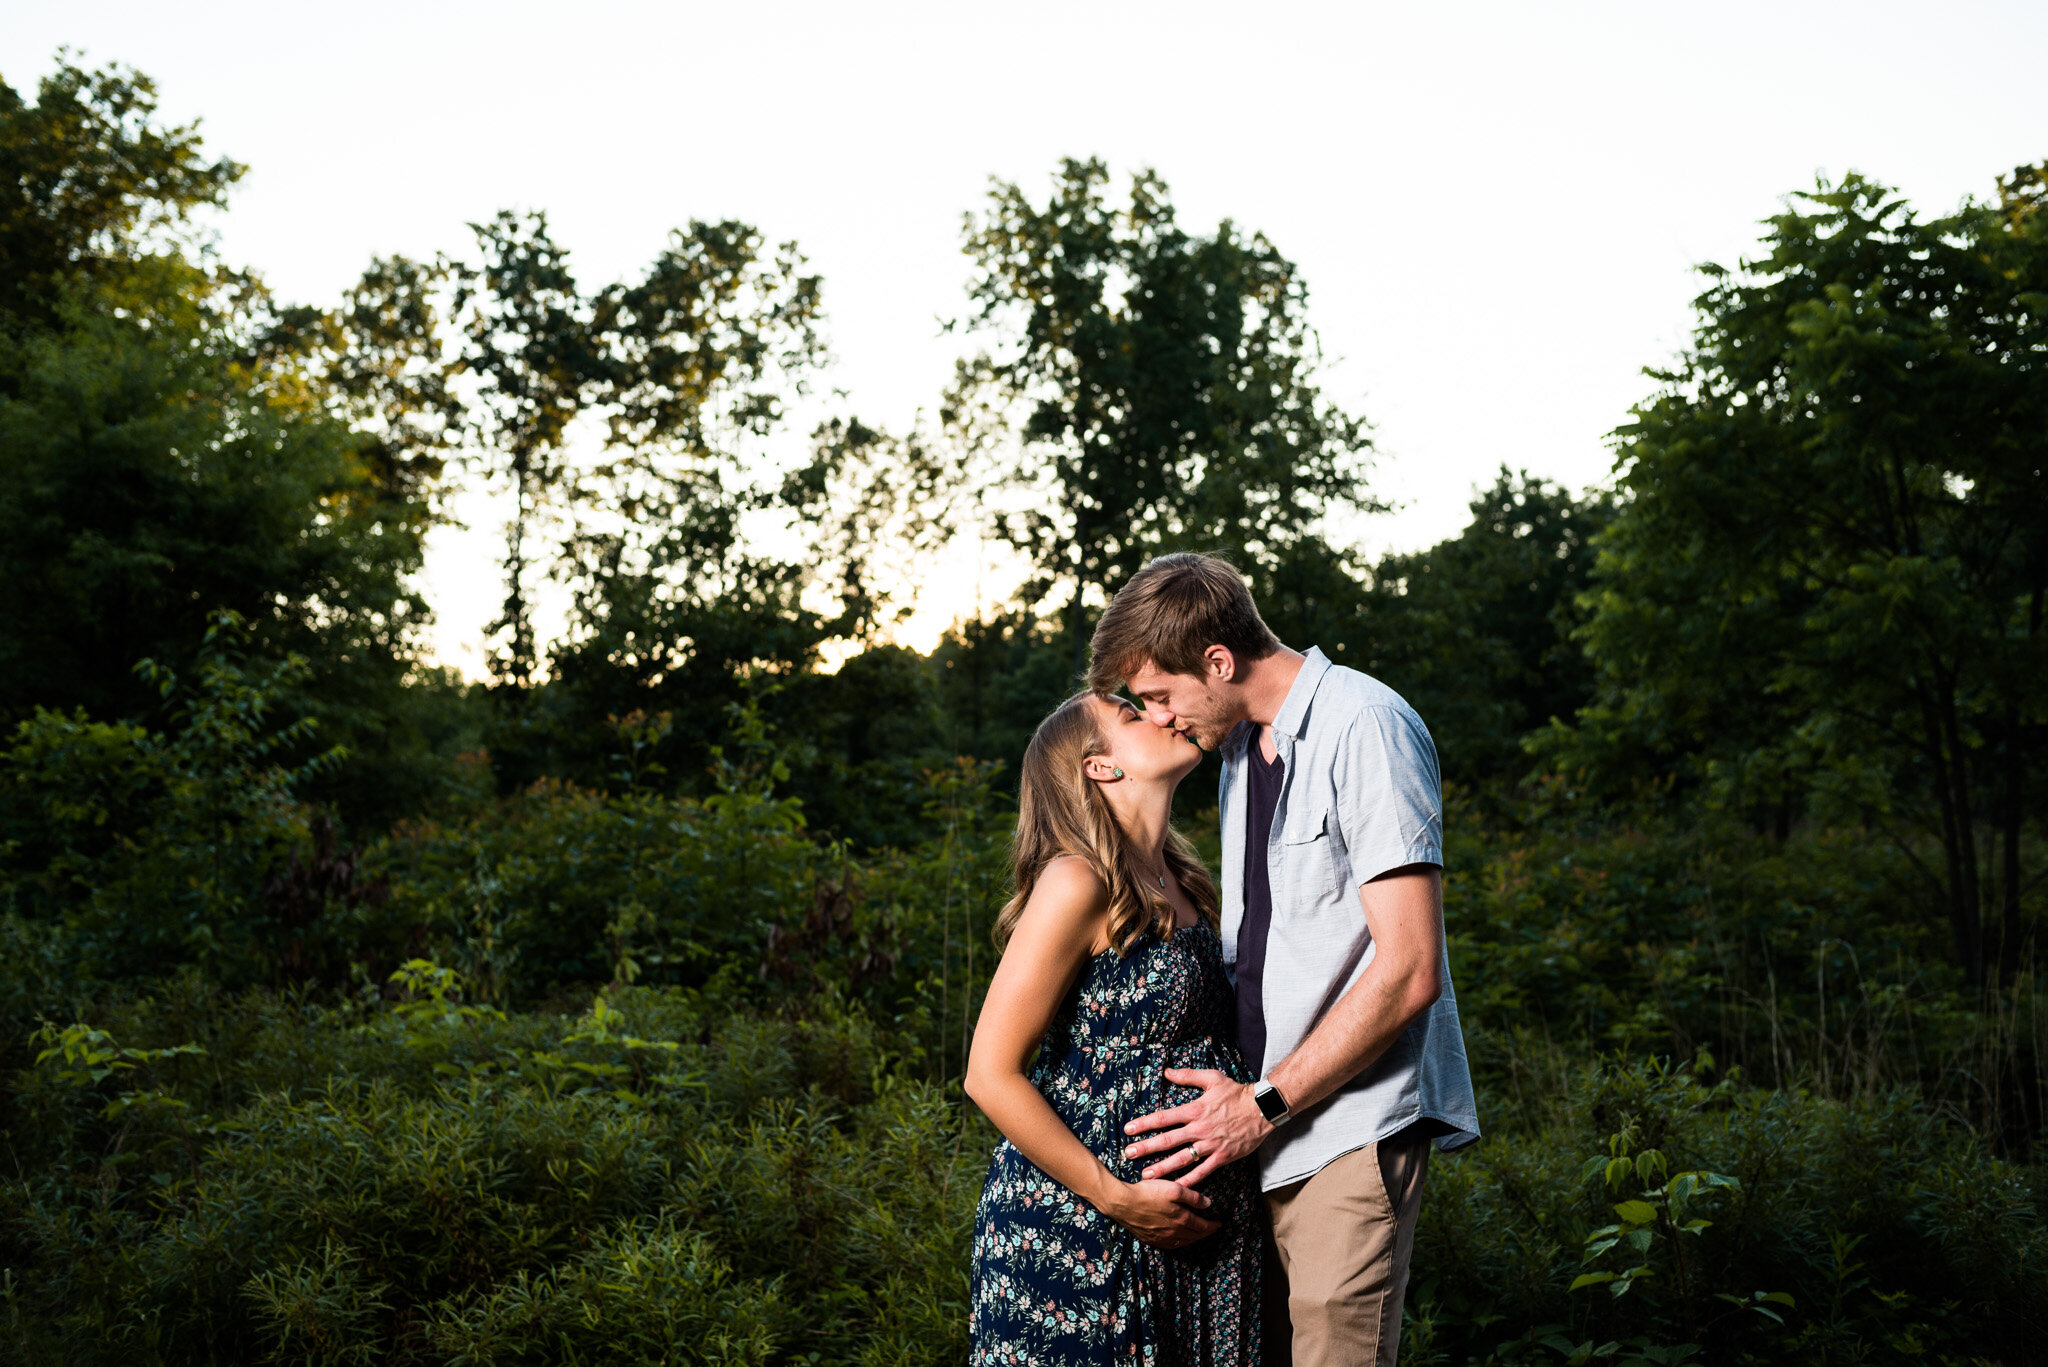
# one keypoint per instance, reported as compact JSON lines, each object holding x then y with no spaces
{"x":1143,"y":751}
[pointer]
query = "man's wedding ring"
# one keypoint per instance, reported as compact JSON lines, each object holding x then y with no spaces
{"x":1195,"y":1148}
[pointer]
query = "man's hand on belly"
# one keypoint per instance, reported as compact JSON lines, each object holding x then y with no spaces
{"x":1220,"y":1126}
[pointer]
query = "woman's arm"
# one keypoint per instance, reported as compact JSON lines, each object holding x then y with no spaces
{"x":1050,"y":945}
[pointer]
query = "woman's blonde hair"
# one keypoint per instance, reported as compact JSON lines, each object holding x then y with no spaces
{"x":1060,"y":811}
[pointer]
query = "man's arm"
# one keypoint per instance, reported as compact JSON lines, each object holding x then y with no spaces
{"x":1404,"y":910}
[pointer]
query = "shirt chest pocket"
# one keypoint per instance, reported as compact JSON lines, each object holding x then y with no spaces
{"x":1306,"y":827}
{"x":1310,"y":863}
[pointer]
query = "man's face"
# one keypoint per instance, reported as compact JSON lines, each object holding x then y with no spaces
{"x":1199,"y":707}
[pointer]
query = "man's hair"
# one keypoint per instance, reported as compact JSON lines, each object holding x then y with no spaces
{"x":1169,"y":613}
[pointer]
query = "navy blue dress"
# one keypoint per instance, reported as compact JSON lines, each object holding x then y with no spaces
{"x":1056,"y":1282}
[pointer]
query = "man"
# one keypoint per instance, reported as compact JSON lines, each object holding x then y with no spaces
{"x":1333,"y":925}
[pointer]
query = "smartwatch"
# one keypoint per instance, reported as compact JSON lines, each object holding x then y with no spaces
{"x":1271,"y":1104}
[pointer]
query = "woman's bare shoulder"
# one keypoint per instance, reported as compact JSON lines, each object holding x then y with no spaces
{"x":1069,"y":877}
{"x":1068,"y":904}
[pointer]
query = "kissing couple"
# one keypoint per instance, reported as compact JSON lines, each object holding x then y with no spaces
{"x":1217,"y":1112}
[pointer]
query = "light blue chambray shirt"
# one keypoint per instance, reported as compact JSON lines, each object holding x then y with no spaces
{"x":1361,"y":797}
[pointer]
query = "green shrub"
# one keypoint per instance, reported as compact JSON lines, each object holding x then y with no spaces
{"x":657,"y":1180}
{"x":1894,"y":1236}
{"x":1810,"y":963}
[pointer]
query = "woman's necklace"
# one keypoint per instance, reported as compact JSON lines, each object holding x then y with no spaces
{"x":1160,"y":877}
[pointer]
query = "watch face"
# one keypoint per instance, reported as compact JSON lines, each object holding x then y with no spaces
{"x":1271,"y":1104}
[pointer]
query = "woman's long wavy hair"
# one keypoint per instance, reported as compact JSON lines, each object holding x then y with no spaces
{"x":1060,"y":810}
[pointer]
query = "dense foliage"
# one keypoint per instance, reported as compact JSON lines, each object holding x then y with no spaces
{"x":614,"y":1011}
{"x":1163,"y":384}
{"x":1825,"y":589}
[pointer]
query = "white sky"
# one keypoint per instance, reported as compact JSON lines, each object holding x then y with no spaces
{"x":1496,"y":206}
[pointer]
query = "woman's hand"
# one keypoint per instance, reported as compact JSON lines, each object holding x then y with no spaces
{"x":1161,"y":1213}
{"x":1049,"y":946}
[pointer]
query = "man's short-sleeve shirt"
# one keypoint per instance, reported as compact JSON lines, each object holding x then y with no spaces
{"x":1361,"y":797}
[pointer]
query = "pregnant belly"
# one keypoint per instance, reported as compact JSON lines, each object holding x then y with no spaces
{"x":1098,"y":1089}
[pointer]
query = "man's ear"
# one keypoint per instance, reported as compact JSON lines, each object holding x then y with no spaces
{"x":1222,"y":664}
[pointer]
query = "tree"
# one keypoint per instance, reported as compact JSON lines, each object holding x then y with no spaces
{"x":157,"y":472}
{"x":174,"y":442}
{"x":529,"y":347}
{"x":1824,"y":587}
{"x":384,"y":366}
{"x":673,"y":372}
{"x":1161,"y":384}
{"x":88,"y":180}
{"x":1474,"y":631}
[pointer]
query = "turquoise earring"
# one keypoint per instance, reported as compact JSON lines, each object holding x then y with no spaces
{"x":1118,"y":772}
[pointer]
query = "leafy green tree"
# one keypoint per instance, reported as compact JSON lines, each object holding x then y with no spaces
{"x":1162,"y":385}
{"x":174,"y":442}
{"x":528,"y":345}
{"x":1824,"y":586}
{"x":997,"y":677}
{"x":157,"y":471}
{"x":677,"y":612}
{"x":384,"y":364}
{"x":671,"y":374}
{"x":89,"y":179}
{"x":1474,"y":631}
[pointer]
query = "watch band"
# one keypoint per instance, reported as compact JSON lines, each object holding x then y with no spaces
{"x":1271,"y":1104}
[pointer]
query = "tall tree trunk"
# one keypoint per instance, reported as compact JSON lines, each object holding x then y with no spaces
{"x":1968,"y":880}
{"x":977,"y":640}
{"x":1077,"y":610}
{"x":2010,"y":934}
{"x":1077,"y":617}
{"x":2009,"y":874}
{"x":516,"y":618}
{"x":1958,"y":862}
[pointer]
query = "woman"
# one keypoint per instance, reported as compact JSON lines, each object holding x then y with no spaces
{"x":1112,"y":971}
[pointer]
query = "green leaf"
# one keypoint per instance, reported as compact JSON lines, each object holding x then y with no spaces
{"x":1591,"y":1279}
{"x":1636,"y":1212}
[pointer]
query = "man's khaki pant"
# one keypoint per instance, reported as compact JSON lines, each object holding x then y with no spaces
{"x":1337,"y":1259}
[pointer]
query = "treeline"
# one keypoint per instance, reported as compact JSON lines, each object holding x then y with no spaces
{"x":613,"y":1008}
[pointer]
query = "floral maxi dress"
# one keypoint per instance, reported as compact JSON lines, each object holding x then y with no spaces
{"x":1056,"y":1282}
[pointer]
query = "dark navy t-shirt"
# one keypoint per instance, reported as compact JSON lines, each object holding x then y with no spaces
{"x":1264,"y":782}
